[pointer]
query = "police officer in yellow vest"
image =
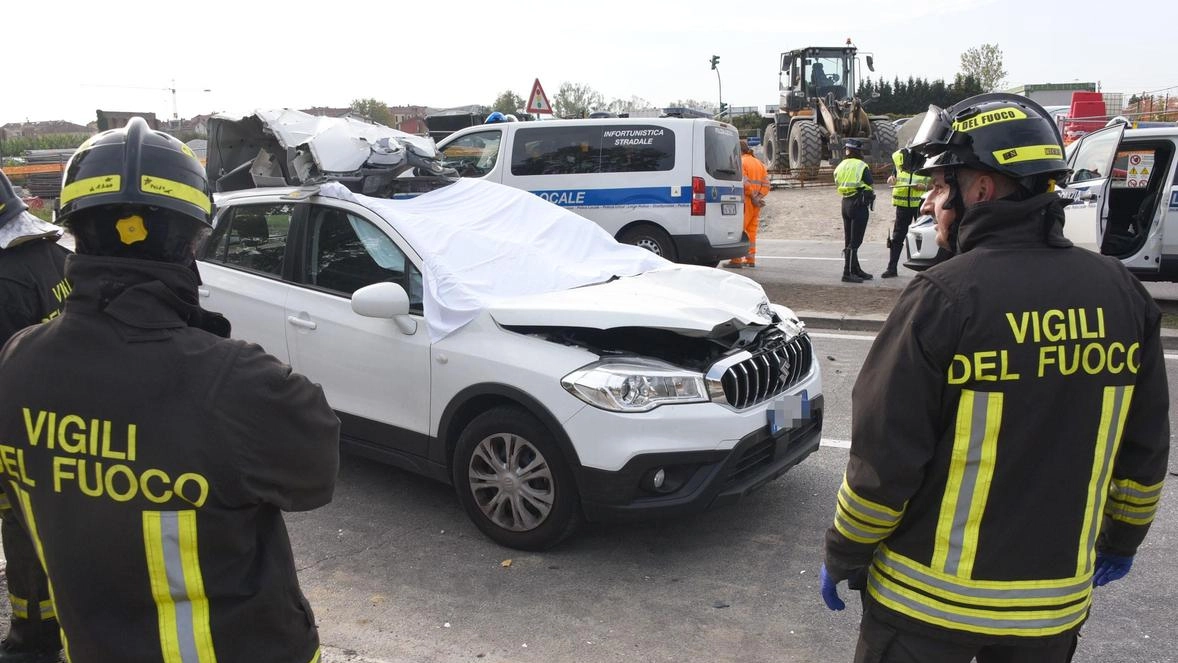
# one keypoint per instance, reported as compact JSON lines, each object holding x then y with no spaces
{"x":1010,"y":425}
{"x":853,"y":179}
{"x":148,"y":455}
{"x":907,"y":188}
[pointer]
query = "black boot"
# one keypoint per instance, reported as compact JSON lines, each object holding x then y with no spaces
{"x":848,"y":275}
{"x":856,"y":269}
{"x":893,"y":259}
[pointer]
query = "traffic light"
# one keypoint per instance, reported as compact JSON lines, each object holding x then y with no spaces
{"x":723,"y":108}
{"x":715,"y":61}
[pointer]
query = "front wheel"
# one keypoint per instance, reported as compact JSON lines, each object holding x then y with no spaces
{"x":652,"y":239}
{"x":513,"y":481}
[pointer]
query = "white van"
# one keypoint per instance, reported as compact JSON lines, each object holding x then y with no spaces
{"x":671,"y":185}
{"x":1124,"y":191}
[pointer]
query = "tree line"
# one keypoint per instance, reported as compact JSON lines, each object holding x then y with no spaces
{"x":914,"y":95}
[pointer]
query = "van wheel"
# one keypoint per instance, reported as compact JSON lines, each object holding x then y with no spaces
{"x":650,"y":238}
{"x":513,"y":481}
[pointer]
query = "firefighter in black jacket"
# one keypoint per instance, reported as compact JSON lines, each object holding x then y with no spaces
{"x":32,"y":290}
{"x":1010,"y":425}
{"x":148,"y":456}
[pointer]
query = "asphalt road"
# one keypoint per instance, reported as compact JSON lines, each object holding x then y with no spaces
{"x":396,"y":572}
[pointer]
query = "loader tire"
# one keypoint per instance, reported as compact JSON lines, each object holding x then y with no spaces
{"x":885,"y":140}
{"x":805,"y":148}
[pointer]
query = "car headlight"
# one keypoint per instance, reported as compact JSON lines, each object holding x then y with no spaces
{"x":634,"y":385}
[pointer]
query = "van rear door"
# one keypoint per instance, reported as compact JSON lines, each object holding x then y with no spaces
{"x":723,"y":220}
{"x":1088,"y":186}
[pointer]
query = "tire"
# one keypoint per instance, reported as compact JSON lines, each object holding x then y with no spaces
{"x":805,"y":147}
{"x":775,"y":157}
{"x":651,"y":238}
{"x":530,"y":514}
{"x":885,"y":139}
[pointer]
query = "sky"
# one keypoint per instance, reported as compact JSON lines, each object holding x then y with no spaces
{"x":234,"y":57}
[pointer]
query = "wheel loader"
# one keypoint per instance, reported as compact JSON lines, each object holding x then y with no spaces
{"x":818,"y":111}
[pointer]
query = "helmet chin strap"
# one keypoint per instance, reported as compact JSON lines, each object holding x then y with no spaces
{"x":956,"y":203}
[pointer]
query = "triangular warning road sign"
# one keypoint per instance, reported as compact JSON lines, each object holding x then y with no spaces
{"x":538,"y":101}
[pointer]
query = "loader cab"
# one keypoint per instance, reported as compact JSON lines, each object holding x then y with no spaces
{"x":817,"y":72}
{"x":1124,"y":191}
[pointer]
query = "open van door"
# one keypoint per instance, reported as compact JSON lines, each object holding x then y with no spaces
{"x":1088,"y":185}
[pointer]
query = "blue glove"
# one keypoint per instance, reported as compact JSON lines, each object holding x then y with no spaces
{"x":830,"y":594}
{"x":1110,"y":568}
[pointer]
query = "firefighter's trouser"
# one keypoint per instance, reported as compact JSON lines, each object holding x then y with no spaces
{"x":904,"y":218}
{"x":880,"y":642}
{"x":34,"y":623}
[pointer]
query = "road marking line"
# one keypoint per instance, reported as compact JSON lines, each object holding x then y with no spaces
{"x":1170,"y":357}
{"x":841,"y":444}
{"x":849,"y":337}
{"x":764,"y":257}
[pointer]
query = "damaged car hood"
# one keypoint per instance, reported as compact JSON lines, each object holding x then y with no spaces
{"x":697,"y":301}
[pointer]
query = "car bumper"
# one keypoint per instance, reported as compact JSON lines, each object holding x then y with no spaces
{"x":698,"y":249}
{"x":703,"y":479}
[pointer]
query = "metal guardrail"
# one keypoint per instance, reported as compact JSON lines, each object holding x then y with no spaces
{"x":822,"y":177}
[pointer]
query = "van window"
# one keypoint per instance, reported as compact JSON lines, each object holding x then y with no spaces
{"x":722,"y":153}
{"x":610,"y":148}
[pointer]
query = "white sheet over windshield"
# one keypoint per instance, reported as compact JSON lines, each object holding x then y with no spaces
{"x":482,"y":242}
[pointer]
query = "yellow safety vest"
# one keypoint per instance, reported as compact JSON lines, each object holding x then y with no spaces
{"x":903,"y":193}
{"x":848,"y":177}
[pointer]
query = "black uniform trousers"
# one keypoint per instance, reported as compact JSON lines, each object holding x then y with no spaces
{"x":34,"y":624}
{"x":904,"y":218}
{"x":855,"y":212}
{"x":880,"y":642}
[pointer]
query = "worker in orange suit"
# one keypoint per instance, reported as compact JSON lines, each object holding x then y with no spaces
{"x":756,"y":187}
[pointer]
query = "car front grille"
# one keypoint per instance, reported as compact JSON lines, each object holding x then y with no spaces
{"x":753,"y":377}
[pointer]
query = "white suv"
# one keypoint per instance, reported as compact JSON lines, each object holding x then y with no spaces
{"x":484,"y":337}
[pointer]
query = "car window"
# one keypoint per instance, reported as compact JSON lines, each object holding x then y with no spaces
{"x":722,"y":153}
{"x":347,"y":252}
{"x":473,"y":155}
{"x":607,"y":148}
{"x":252,"y":237}
{"x":1092,"y":160}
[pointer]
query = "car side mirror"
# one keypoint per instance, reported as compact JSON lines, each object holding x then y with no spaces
{"x":385,"y":300}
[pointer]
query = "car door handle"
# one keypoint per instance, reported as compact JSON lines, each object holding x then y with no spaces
{"x":1087,"y":196}
{"x":203,"y":292}
{"x":301,"y":322}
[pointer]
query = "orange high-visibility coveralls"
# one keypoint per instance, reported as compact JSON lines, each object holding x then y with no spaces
{"x":756,"y":187}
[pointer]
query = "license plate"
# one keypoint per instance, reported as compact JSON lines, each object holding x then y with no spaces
{"x":788,"y":411}
{"x":728,"y":209}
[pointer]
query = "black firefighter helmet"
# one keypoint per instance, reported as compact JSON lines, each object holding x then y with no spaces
{"x":10,"y":204}
{"x":1003,"y":133}
{"x":136,"y":193}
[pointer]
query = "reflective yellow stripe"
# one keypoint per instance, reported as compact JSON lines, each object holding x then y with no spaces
{"x":26,"y":508}
{"x":865,"y":509}
{"x":990,"y":117}
{"x":20,"y":607}
{"x":971,"y":470}
{"x":4,"y":503}
{"x":91,"y":186}
{"x":173,"y":567}
{"x":161,"y":187}
{"x":1130,"y":491}
{"x":1028,"y":153}
{"x":47,"y":611}
{"x":315,"y":658}
{"x":996,"y":607}
{"x":1113,"y":410}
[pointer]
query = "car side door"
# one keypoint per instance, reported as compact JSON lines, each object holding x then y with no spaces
{"x":244,"y":267}
{"x":1088,"y":185}
{"x":375,"y":375}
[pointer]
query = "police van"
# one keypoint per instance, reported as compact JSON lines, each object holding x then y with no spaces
{"x":1124,"y":191}
{"x":670,"y":185}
